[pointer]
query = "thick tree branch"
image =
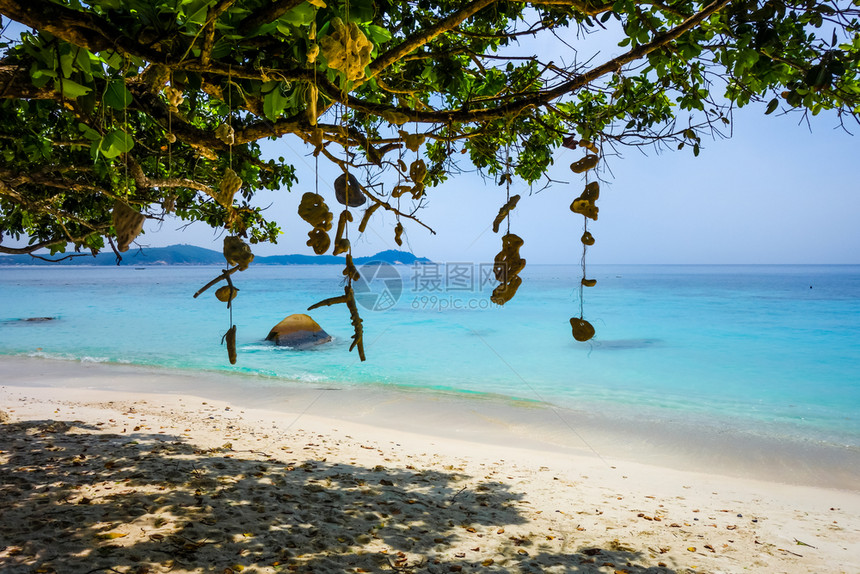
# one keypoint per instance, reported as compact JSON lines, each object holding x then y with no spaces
{"x":30,"y":248}
{"x":84,"y":29}
{"x":411,"y":44}
{"x":267,"y":13}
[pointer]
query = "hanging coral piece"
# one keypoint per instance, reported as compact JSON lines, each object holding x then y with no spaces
{"x":314,"y":210}
{"x":341,"y":243}
{"x":349,"y":271}
{"x":313,"y":95}
{"x":398,"y":231}
{"x":413,"y":142}
{"x":230,"y":337}
{"x":366,"y":218}
{"x":230,"y":184}
{"x":585,"y":164}
{"x":226,"y":293}
{"x":504,"y":211}
{"x":226,"y":134}
{"x":348,"y":298}
{"x":174,"y":98}
{"x":507,"y":267}
{"x":237,"y":252}
{"x":347,"y":191}
{"x":347,"y":49}
{"x":582,"y":329}
{"x":127,"y":223}
{"x":587,"y":238}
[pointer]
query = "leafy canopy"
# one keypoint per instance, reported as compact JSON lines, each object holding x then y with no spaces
{"x":157,"y":106}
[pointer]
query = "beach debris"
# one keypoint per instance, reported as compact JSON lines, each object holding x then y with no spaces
{"x":507,"y":266}
{"x":347,"y":191}
{"x":298,"y":331}
{"x":504,"y":211}
{"x":127,"y":223}
{"x":314,"y":210}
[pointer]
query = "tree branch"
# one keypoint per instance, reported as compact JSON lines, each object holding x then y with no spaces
{"x":267,"y":13}
{"x":411,"y":44}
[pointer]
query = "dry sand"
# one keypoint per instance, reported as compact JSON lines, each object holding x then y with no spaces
{"x":100,"y":480}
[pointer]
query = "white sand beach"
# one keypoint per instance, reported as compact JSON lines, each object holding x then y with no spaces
{"x":107,"y":468}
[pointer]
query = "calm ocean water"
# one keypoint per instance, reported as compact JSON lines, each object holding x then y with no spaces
{"x":773,"y":350}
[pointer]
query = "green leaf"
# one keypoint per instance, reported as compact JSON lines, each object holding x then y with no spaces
{"x":117,"y":95}
{"x":66,"y":64}
{"x":274,"y":103}
{"x":771,"y":106}
{"x":72,"y":89}
{"x":378,"y":34}
{"x":115,"y":143}
{"x":301,"y":15}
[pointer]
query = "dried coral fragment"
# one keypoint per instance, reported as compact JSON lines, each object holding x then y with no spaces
{"x":226,"y":134}
{"x":395,"y":117}
{"x":230,"y":184}
{"x":237,"y":252}
{"x":582,"y":329}
{"x":506,"y":267}
{"x":585,"y":164}
{"x":346,"y":49}
{"x":127,"y":223}
{"x":591,"y":192}
{"x":226,"y":293}
{"x":588,"y":282}
{"x":398,"y":231}
{"x":587,"y":238}
{"x":348,"y":194}
{"x":584,"y":207}
{"x":418,"y":171}
{"x":504,"y":211}
{"x":230,"y":336}
{"x":314,"y":210}
{"x":313,"y":95}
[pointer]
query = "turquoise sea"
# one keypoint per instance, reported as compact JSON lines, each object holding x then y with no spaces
{"x":771,"y":350}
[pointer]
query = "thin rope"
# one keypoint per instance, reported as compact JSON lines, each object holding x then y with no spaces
{"x":582,"y":262}
{"x":230,"y":114}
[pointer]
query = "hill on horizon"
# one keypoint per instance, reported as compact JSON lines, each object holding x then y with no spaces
{"x":182,"y":254}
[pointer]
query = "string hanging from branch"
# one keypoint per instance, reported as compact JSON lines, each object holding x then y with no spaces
{"x":236,"y":251}
{"x":585,"y":205}
{"x":348,"y":193}
{"x":508,"y":264}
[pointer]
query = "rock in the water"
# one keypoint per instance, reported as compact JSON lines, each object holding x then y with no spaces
{"x":299,"y":332}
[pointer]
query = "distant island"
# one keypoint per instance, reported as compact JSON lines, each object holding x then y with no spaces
{"x":193,"y":255}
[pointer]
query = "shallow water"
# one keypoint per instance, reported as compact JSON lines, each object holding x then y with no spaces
{"x":769,"y":350}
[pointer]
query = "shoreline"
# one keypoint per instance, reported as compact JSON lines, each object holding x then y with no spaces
{"x":160,"y":477}
{"x":146,"y":481}
{"x":480,"y":418}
